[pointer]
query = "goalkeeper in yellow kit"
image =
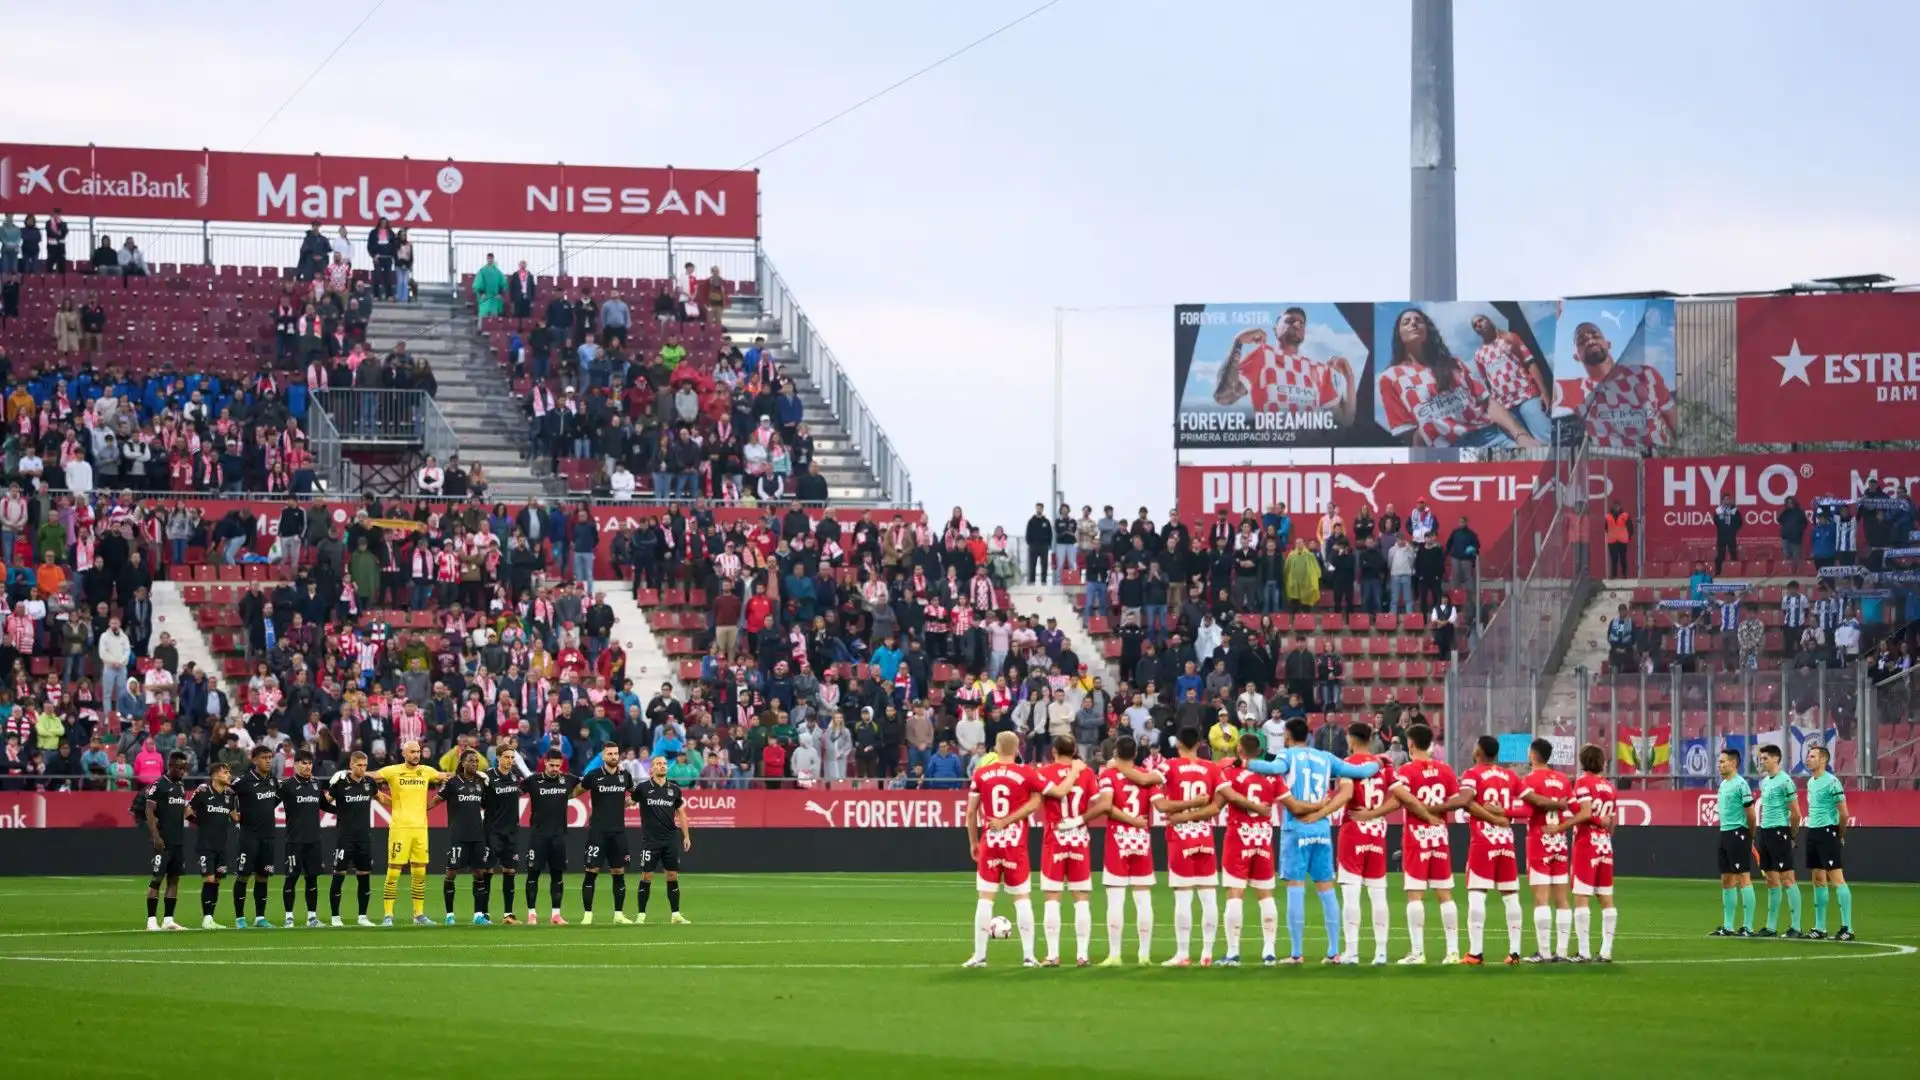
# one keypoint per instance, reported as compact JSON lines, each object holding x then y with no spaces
{"x":407,"y":786}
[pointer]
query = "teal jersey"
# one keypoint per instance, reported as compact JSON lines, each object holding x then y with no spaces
{"x":1735,"y":797}
{"x":1824,"y":796}
{"x":1777,"y":795}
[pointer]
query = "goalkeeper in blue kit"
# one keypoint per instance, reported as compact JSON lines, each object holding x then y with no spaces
{"x":1306,"y":846}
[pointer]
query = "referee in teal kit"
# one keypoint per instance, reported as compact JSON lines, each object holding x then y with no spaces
{"x":1736,"y":848}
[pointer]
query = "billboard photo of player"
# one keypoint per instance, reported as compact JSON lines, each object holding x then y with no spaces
{"x":1428,"y":395}
{"x":1614,"y":368}
{"x":1272,"y":375}
{"x":1514,"y":374}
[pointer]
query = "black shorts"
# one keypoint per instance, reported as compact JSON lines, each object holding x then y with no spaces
{"x":1824,"y":850}
{"x":467,"y":855}
{"x":608,"y":850}
{"x":353,"y":853}
{"x":547,"y":854}
{"x":303,"y":857}
{"x":503,"y":851}
{"x":256,"y":855}
{"x":1736,"y":852}
{"x":660,"y":855}
{"x":170,"y":861}
{"x":211,"y":863}
{"x":1776,"y":849}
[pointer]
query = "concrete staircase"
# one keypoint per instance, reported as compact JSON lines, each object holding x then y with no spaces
{"x":1587,"y":649}
{"x":647,"y":663}
{"x":1063,"y":606}
{"x":172,"y":615}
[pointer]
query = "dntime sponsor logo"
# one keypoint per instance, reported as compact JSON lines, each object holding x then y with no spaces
{"x":1689,"y":493}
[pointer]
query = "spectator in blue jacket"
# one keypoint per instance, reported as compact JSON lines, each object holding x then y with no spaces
{"x":945,"y":769}
{"x":585,"y":543}
{"x":887,"y":659}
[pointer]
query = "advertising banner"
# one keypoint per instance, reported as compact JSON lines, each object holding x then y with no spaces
{"x":1682,"y":492}
{"x":1831,"y":368}
{"x":212,"y":185}
{"x":873,"y":809}
{"x":1455,"y":375}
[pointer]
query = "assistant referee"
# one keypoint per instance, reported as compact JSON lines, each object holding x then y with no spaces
{"x":1736,"y":848}
{"x":664,"y":835}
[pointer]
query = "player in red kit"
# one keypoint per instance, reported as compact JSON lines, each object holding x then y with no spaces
{"x":1426,"y":856}
{"x":1127,"y":862}
{"x":1492,"y":864}
{"x":1002,"y":796}
{"x":1545,"y":791}
{"x":1191,"y":782}
{"x":1360,"y":849}
{"x":1066,"y":849}
{"x":1594,"y":808}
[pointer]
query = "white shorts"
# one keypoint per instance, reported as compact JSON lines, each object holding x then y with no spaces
{"x":1583,"y":889}
{"x":1048,"y":885}
{"x":1204,"y":881}
{"x":1535,"y":877}
{"x":1410,"y":884}
{"x":1348,"y":877}
{"x":1022,"y":889}
{"x":1114,"y":881}
{"x":1231,"y":882}
{"x":1476,"y":883}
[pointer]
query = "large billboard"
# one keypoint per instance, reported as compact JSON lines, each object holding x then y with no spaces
{"x":1455,"y":375}
{"x":1834,"y":368}
{"x":213,"y":185}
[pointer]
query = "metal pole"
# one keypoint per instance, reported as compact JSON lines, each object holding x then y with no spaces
{"x":1059,"y":397}
{"x":1433,"y":240}
{"x":560,"y":245}
{"x":206,"y":245}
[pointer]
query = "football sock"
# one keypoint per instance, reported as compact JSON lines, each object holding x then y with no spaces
{"x":1082,"y":922}
{"x":365,"y":890}
{"x":673,"y":894}
{"x":312,"y":892}
{"x":588,"y":882}
{"x":286,"y":894}
{"x":1820,"y":908}
{"x":982,"y":915}
{"x":1231,"y":924}
{"x":1050,"y":920}
{"x":1417,"y":927}
{"x":1543,"y":930}
{"x":480,"y":894}
{"x":1209,"y":920}
{"x":1729,"y":908}
{"x":1609,"y":918}
{"x":239,"y":898}
{"x":1378,"y":895}
{"x":557,"y":891}
{"x":1450,"y":924}
{"x":1269,"y":926}
{"x":1793,"y":906}
{"x":153,"y":905}
{"x":1350,"y":916}
{"x":1476,"y":922}
{"x":1330,"y":918}
{"x":167,"y":908}
{"x":1116,"y":919}
{"x":619,"y":893}
{"x":1746,"y":906}
{"x":1296,"y":918}
{"x":644,"y":894}
{"x":1844,"y":894}
{"x":390,"y":891}
{"x":419,"y":882}
{"x":1143,"y":922}
{"x":533,"y":890}
{"x":259,"y":898}
{"x":334,"y":889}
{"x":1562,"y":930}
{"x":1516,"y":924}
{"x":447,"y":886}
{"x":209,"y":898}
{"x":1023,"y":918}
{"x":1773,"y":906}
{"x":1583,"y":929}
{"x":1182,"y":920}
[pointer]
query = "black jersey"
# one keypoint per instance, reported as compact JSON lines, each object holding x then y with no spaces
{"x":301,"y":800}
{"x":549,"y":798}
{"x":466,"y":811}
{"x":213,"y":817}
{"x":607,"y":792}
{"x":168,"y":799}
{"x":659,"y":809}
{"x":352,"y":805}
{"x":502,"y":802}
{"x":257,"y":796}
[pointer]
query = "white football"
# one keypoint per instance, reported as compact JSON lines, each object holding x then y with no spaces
{"x":999,"y":927}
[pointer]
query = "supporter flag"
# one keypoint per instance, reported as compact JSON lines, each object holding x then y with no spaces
{"x":1649,"y":751}
{"x":1696,"y":759}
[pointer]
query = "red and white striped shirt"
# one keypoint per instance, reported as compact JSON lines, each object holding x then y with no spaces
{"x":1280,"y":381}
{"x":1502,"y":363}
{"x":1412,"y":399}
{"x":1631,"y":409}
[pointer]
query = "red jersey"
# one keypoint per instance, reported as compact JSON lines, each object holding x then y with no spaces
{"x":1244,"y":828}
{"x":1595,"y":794}
{"x":1494,"y":788}
{"x":1503,"y":367}
{"x":1542,"y":850}
{"x":1003,"y":788}
{"x":1432,"y":784}
{"x":1071,"y":805}
{"x":1370,"y":794}
{"x":1125,"y":841}
{"x":1280,"y":381}
{"x":1411,"y":399}
{"x":1631,"y":408}
{"x":1188,"y":779}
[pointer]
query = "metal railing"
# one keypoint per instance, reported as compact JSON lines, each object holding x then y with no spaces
{"x":377,"y":416}
{"x":823,"y":368}
{"x":323,"y":437}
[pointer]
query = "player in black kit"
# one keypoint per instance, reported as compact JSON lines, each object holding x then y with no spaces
{"x":549,"y":797}
{"x":257,"y":794}
{"x":301,"y":797}
{"x":608,"y":792}
{"x":350,"y":798}
{"x":663,"y":836}
{"x":465,"y":793}
{"x":213,"y":809}
{"x":167,"y":828}
{"x":503,"y":832}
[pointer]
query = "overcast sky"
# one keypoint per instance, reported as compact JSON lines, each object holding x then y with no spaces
{"x":1124,"y":155}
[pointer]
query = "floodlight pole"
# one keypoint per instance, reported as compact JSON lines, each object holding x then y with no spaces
{"x":1434,"y":241}
{"x":1059,"y":400}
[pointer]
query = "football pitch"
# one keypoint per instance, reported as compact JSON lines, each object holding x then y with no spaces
{"x":834,"y":975}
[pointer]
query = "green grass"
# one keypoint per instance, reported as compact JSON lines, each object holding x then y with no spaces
{"x":851,"y":976}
